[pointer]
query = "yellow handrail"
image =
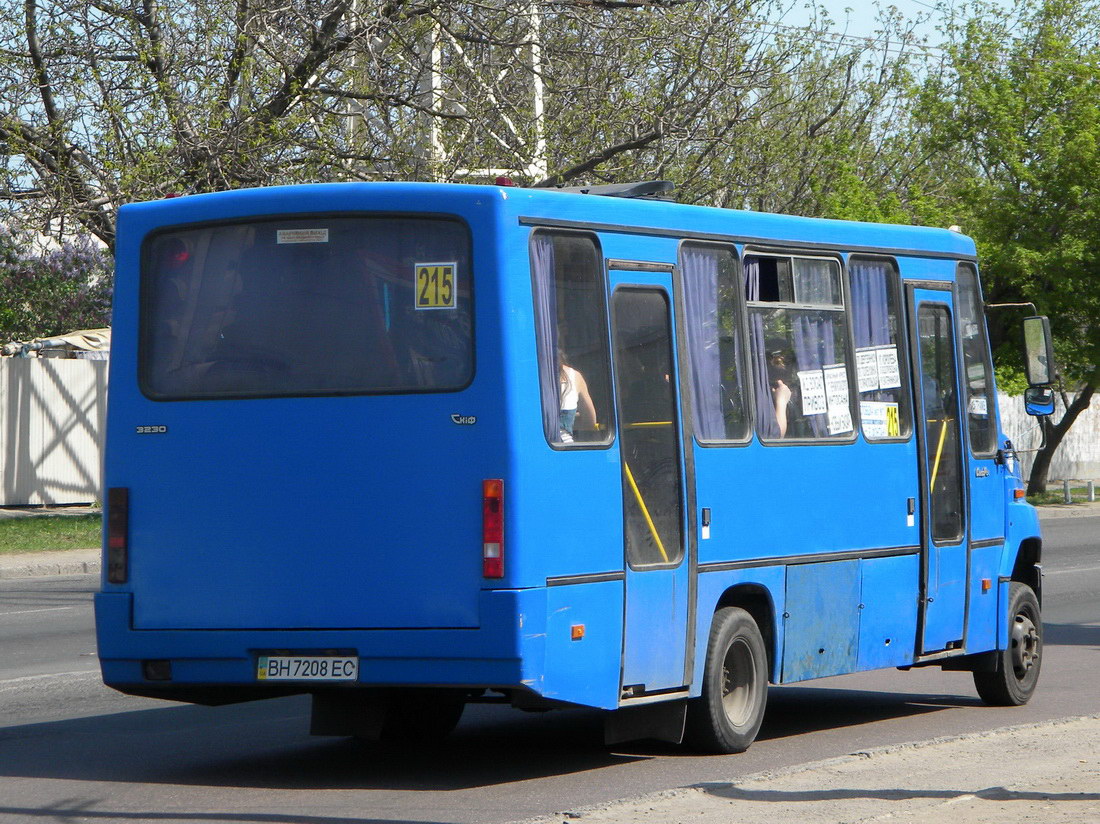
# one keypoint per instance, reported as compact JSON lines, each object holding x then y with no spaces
{"x":939,"y":453}
{"x":645,"y":510}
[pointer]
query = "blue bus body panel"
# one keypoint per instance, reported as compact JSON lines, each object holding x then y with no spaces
{"x":315,"y":512}
{"x":822,"y":616}
{"x":353,"y":523}
{"x":888,"y":611}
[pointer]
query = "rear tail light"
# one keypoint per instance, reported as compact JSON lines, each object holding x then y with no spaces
{"x":492,"y":528}
{"x":118,"y":534}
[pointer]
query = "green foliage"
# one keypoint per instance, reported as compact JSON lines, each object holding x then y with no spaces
{"x":1018,"y":100}
{"x":52,"y":293}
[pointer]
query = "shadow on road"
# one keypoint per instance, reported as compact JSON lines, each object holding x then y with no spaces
{"x":80,"y":811}
{"x":266,"y":744}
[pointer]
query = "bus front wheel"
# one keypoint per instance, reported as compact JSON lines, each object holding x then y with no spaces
{"x":1017,"y":673}
{"x":727,"y":716}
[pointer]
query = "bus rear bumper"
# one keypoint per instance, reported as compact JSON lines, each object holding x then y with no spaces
{"x":221,"y":666}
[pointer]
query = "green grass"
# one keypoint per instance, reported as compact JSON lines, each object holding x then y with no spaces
{"x":1078,"y":494}
{"x":49,"y":533}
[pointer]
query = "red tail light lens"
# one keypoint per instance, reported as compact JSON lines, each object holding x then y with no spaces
{"x":492,"y":528}
{"x":118,"y":534}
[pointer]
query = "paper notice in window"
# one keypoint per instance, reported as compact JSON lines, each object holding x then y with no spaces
{"x":836,"y":396}
{"x":867,"y":369}
{"x":873,"y":415}
{"x":979,"y":406}
{"x":889,"y":374}
{"x":301,"y":236}
{"x":812,"y":385}
{"x":880,"y":420}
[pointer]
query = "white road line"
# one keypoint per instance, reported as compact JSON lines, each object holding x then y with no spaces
{"x":31,"y":611}
{"x":80,"y":675}
{"x":1074,"y":570}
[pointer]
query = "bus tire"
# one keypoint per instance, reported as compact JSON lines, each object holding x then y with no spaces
{"x":420,"y":717}
{"x":1017,"y":673}
{"x":727,"y":716}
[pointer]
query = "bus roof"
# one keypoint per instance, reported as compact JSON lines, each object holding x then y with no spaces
{"x":553,"y":207}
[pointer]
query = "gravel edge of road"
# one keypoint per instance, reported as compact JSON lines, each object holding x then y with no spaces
{"x":696,"y":802}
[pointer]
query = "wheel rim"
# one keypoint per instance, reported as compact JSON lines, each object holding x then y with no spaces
{"x":1025,"y":645}
{"x":739,"y":683}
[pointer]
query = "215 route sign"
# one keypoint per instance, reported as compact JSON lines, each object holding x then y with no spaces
{"x":435,"y":285}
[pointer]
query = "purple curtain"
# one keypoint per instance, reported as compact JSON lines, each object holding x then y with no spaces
{"x":871,"y":318}
{"x":870,"y":306}
{"x":814,"y":347}
{"x":766,"y":424}
{"x":546,"y":332}
{"x":700,"y":270}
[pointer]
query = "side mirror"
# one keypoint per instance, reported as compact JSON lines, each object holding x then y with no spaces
{"x":1039,"y":400}
{"x":1038,"y":351}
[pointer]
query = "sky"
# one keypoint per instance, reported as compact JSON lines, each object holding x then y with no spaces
{"x":857,"y":18}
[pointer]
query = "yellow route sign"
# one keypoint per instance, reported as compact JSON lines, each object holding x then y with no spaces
{"x":435,"y":285}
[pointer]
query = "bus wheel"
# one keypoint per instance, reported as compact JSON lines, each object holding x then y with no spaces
{"x":421,"y":716}
{"x":1017,"y":673}
{"x":726,"y":718}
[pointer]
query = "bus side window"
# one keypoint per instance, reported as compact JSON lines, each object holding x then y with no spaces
{"x":572,"y":338}
{"x":880,"y":362}
{"x":978,"y":372}
{"x":712,"y":303}
{"x":798,"y":345}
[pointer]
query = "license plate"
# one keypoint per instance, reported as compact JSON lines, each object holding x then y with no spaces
{"x":307,"y":668}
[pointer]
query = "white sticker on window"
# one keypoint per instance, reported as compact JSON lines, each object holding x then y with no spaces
{"x":836,"y":395}
{"x":880,"y":420}
{"x":867,"y":369}
{"x":301,"y":236}
{"x":873,"y":415}
{"x":979,"y":405}
{"x":889,"y":373}
{"x":812,"y":385}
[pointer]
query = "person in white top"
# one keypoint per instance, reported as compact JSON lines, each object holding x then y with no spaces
{"x":577,"y":409}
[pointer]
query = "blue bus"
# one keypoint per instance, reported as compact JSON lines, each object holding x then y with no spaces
{"x":408,"y":446}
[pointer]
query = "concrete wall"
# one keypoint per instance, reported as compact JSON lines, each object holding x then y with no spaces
{"x":52,"y":414}
{"x":1078,"y":457}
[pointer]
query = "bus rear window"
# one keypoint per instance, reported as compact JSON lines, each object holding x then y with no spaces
{"x":307,"y":306}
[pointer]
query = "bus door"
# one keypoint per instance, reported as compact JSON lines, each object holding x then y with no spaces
{"x":651,"y":454}
{"x":945,"y":555}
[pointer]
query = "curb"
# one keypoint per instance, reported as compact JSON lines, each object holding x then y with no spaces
{"x":75,"y":562}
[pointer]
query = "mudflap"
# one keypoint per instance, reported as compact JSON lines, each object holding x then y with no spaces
{"x":348,"y":712}
{"x":663,"y":721}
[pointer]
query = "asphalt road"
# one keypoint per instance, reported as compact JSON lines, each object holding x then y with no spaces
{"x":72,"y":750}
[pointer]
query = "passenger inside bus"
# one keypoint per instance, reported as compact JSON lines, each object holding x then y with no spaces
{"x":577,"y":410}
{"x":786,"y":397}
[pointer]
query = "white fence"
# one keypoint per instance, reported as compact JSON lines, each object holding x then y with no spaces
{"x":52,"y":413}
{"x":1078,"y":456}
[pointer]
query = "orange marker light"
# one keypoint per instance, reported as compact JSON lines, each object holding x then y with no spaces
{"x":1019,"y":493}
{"x":987,"y":584}
{"x":577,"y":632}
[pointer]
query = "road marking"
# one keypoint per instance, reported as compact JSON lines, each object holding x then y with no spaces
{"x":57,"y":676}
{"x":30,"y":611}
{"x":1075,"y":570}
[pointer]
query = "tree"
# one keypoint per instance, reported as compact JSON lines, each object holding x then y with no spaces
{"x":103,"y":102}
{"x":59,"y":291}
{"x":1019,"y":100}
